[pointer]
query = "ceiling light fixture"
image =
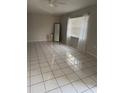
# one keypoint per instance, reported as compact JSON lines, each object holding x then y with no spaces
{"x":51,"y":5}
{"x":55,"y":3}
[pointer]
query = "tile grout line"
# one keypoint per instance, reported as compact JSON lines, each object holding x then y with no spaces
{"x":77,"y":80}
{"x":83,"y":82}
{"x":40,"y":68}
{"x":54,"y":77}
{"x":59,"y":68}
{"x":68,"y":80}
{"x":78,"y":77}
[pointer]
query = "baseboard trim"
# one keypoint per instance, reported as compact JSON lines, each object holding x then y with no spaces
{"x":92,"y":54}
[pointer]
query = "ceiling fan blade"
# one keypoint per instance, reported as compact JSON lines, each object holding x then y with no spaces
{"x":61,"y":3}
{"x":55,"y":5}
{"x":54,"y":1}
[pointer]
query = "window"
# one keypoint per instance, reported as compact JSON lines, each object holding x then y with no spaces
{"x":75,"y":26}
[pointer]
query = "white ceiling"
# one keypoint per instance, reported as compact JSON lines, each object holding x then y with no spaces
{"x":42,"y":6}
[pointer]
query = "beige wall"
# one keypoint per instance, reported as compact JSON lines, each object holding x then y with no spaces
{"x":92,"y":27}
{"x":92,"y":34}
{"x":39,"y":26}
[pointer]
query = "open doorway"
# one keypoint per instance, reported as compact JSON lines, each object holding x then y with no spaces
{"x":77,"y":32}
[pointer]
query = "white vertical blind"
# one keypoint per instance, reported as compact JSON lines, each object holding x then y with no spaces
{"x":75,"y":25}
{"x":83,"y":34}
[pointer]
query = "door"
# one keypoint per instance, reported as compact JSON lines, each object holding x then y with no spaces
{"x":57,"y":32}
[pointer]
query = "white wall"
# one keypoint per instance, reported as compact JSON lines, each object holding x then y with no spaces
{"x":39,"y":26}
{"x":92,"y":27}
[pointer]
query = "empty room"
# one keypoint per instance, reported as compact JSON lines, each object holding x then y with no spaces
{"x":61,"y":46}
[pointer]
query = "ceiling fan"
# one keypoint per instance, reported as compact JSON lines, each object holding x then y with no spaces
{"x":55,"y":3}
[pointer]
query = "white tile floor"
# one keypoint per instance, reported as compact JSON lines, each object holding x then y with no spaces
{"x":57,"y":68}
